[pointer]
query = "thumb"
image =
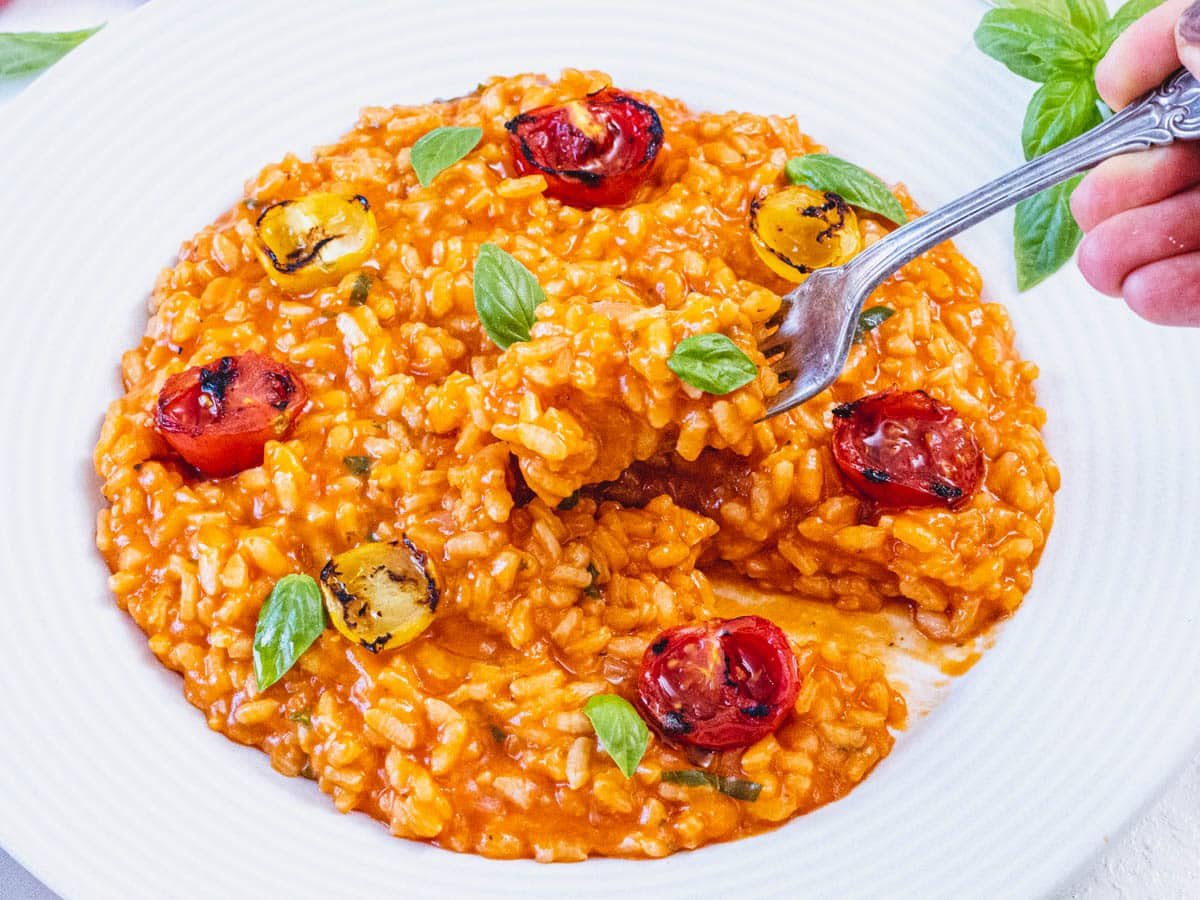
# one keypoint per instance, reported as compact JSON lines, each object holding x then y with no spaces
{"x":1187,"y":38}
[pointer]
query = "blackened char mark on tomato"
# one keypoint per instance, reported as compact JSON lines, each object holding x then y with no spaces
{"x":218,"y":417}
{"x":215,"y":382}
{"x":719,"y":685}
{"x":593,"y":152}
{"x":675,"y":725}
{"x":421,"y":560}
{"x":304,"y":255}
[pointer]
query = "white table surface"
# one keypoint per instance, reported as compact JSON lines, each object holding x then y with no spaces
{"x":1157,"y":857}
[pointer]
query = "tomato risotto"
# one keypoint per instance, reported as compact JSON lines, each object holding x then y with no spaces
{"x":434,"y":441}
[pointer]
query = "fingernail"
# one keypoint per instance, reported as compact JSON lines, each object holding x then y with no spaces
{"x":1189,"y":24}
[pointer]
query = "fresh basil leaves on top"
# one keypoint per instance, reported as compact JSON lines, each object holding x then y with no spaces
{"x":858,"y":187}
{"x":26,"y":53}
{"x":713,"y":363}
{"x":1056,"y":43}
{"x":506,"y":295}
{"x":441,"y":148}
{"x":288,"y":623}
{"x":620,"y":729}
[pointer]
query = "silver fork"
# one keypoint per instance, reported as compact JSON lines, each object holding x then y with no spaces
{"x":817,"y":320}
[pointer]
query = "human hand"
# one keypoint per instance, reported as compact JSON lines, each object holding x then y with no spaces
{"x":1141,"y":211}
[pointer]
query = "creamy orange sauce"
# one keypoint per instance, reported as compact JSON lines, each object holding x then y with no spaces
{"x":473,"y":736}
{"x":920,"y":667}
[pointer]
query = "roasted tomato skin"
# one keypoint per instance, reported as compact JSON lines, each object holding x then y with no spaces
{"x":721,"y":685}
{"x":797,"y":230}
{"x":380,"y":595}
{"x":314,"y":240}
{"x":905,"y":450}
{"x":593,"y":152}
{"x":219,"y":416}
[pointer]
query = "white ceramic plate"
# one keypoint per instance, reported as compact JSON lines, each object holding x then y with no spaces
{"x":111,"y":786}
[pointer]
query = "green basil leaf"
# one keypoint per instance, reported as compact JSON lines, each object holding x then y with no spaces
{"x":713,"y":363}
{"x":303,"y":716}
{"x":359,"y":465}
{"x":288,"y":623}
{"x":506,"y":294}
{"x":25,"y":53}
{"x":1045,"y":234}
{"x":1085,"y":15}
{"x":1034,"y":45}
{"x":360,"y":289}
{"x":870,"y":319}
{"x":858,"y":187}
{"x":1125,"y":16}
{"x":621,"y":730}
{"x":737,"y":788}
{"x":441,"y":148}
{"x":569,"y":502}
{"x":1058,"y":112}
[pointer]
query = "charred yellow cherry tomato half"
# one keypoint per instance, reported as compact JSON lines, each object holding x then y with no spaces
{"x":380,"y":595}
{"x":314,"y":240}
{"x":797,"y":230}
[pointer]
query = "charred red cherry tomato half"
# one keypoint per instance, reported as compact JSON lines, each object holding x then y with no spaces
{"x":720,"y":685}
{"x":903,"y":449}
{"x":594,"y":152}
{"x":219,"y":416}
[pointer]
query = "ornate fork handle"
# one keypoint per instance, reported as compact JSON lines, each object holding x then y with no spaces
{"x":1172,"y":112}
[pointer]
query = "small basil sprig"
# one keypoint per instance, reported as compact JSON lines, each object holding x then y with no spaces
{"x":737,"y":788}
{"x":288,"y":623}
{"x":620,"y":729}
{"x":506,"y":295}
{"x":713,"y":363}
{"x":1056,"y":43}
{"x":870,"y":319}
{"x":441,"y":148}
{"x":25,"y":53}
{"x":857,"y":186}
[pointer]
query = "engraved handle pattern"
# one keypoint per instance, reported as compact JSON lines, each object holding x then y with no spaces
{"x":1169,"y":113}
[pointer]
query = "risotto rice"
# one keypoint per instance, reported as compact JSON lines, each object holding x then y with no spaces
{"x":473,"y":736}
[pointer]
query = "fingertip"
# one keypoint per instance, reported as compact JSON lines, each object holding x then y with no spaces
{"x":1093,"y":259}
{"x":1165,"y":292}
{"x":1141,"y":296}
{"x":1084,"y":204}
{"x":1141,"y":57}
{"x":1189,"y":52}
{"x":1112,"y":80}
